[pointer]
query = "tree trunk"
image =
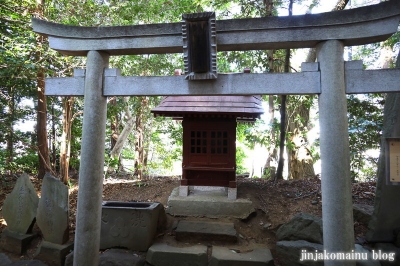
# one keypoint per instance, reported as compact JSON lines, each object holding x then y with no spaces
{"x":10,"y":133}
{"x":43,"y":148}
{"x":121,"y":138}
{"x":140,"y":135}
{"x":65,"y":148}
{"x":300,"y":159}
{"x":279,"y":171}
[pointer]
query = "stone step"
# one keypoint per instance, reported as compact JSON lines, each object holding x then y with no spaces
{"x":195,"y":231}
{"x":222,"y":256}
{"x":161,"y":254}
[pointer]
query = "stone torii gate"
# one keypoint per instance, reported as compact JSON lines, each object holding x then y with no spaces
{"x":331,"y":78}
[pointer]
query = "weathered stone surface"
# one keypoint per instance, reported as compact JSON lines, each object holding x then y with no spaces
{"x":14,"y":242}
{"x":386,"y":218}
{"x":132,"y":225}
{"x":119,"y":257}
{"x":4,"y":260}
{"x":222,"y":256}
{"x":362,"y":213}
{"x":19,"y":208}
{"x":205,"y":231}
{"x":212,"y":204}
{"x":53,"y":254}
{"x":397,"y":243}
{"x":388,"y":248}
{"x":28,"y":263}
{"x":52,"y":213}
{"x":370,"y":261}
{"x":289,"y":252}
{"x":302,"y":226}
{"x":161,"y":254}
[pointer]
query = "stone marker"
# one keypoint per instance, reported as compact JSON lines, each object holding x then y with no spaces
{"x":52,"y":219}
{"x":19,"y":208}
{"x":52,"y":213}
{"x":161,"y":254}
{"x":19,"y":211}
{"x":222,"y":256}
{"x":302,"y":226}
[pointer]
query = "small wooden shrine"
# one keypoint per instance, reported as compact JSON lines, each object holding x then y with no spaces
{"x":209,"y":135}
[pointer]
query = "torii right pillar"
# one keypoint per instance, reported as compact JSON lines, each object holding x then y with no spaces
{"x":337,"y":207}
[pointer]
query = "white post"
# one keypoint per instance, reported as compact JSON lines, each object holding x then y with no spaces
{"x":88,"y":218}
{"x":337,"y":210}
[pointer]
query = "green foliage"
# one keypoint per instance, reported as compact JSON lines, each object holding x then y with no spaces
{"x":240,"y":157}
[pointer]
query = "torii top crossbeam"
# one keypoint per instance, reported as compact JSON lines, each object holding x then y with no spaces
{"x":358,"y":26}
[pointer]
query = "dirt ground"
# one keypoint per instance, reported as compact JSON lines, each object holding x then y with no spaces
{"x":275,"y":204}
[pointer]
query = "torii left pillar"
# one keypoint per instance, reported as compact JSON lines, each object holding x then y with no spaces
{"x":88,"y":219}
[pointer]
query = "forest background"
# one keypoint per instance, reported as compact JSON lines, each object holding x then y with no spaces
{"x":40,"y":134}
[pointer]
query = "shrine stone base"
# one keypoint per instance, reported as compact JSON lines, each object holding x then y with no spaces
{"x":14,"y":242}
{"x":208,"y":203}
{"x":53,"y":254}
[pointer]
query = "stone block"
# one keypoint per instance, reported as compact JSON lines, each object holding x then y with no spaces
{"x":132,"y":225}
{"x":309,"y":67}
{"x":19,"y":208}
{"x":387,"y":248}
{"x":52,"y":213}
{"x":28,"y":263}
{"x":161,"y":254}
{"x":222,"y":256}
{"x":183,"y":191}
{"x":232,"y":193}
{"x":53,"y":254}
{"x":205,"y":231}
{"x":362,"y":213}
{"x":14,"y":242}
{"x":289,"y":253}
{"x":302,"y":226}
{"x":119,"y":257}
{"x":4,"y":260}
{"x":212,"y":204}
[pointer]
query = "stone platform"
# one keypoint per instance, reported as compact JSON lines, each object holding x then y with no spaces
{"x":211,"y":204}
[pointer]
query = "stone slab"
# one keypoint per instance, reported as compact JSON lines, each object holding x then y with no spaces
{"x":209,"y":204}
{"x":119,"y":257}
{"x":222,"y":256}
{"x":19,"y":208}
{"x":14,"y":242}
{"x":205,"y":231}
{"x":28,"y":263}
{"x":4,"y":260}
{"x":161,"y":254}
{"x":53,"y":254}
{"x":52,"y":212}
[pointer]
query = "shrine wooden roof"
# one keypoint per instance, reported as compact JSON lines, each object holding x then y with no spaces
{"x":244,"y":108}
